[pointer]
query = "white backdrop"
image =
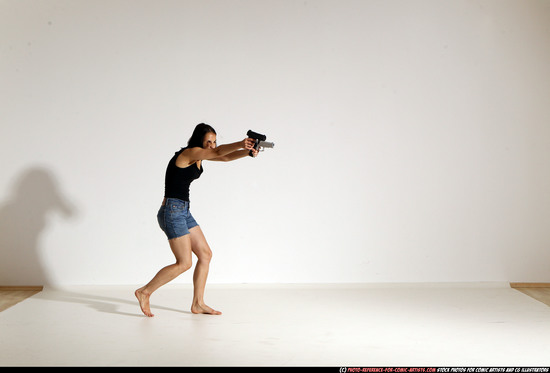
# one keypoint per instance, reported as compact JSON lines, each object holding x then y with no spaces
{"x":412,"y":138}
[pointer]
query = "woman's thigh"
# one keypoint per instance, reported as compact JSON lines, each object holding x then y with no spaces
{"x":199,"y":245}
{"x":181,"y":247}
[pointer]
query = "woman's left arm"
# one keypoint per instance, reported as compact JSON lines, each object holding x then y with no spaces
{"x":235,"y":155}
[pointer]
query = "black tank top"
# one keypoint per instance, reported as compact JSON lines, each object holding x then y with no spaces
{"x":178,"y":180}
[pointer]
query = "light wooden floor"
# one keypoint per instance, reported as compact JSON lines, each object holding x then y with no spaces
{"x":10,"y":296}
{"x":540,"y":293}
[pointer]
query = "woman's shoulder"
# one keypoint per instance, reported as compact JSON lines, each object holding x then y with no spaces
{"x":182,"y":160}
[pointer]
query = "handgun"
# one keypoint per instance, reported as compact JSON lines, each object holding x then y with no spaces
{"x":260,"y":141}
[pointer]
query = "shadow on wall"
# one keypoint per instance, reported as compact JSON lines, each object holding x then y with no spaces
{"x":23,"y":218}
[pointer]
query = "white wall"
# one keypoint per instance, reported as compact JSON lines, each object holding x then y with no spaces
{"x":412,"y":138}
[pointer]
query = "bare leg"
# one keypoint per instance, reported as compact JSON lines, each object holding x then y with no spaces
{"x":181,"y":247}
{"x":204,"y":255}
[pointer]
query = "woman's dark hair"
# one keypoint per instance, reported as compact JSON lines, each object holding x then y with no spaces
{"x":198,"y":135}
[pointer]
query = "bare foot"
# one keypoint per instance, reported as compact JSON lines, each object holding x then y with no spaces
{"x":204,"y":309}
{"x":143,"y":300}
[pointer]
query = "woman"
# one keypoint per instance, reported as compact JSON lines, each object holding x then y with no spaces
{"x":184,"y":234}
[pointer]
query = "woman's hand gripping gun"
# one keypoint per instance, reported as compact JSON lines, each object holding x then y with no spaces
{"x":260,"y":141}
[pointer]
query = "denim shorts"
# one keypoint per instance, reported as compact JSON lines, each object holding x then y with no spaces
{"x":175,"y":219}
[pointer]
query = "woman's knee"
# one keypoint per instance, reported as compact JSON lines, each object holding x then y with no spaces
{"x":183,"y":265}
{"x":205,"y":255}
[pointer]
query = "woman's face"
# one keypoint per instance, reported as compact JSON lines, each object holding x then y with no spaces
{"x":209,"y":141}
